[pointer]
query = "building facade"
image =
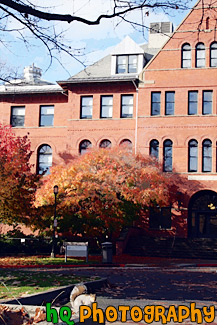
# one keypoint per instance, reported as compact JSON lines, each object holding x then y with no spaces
{"x":158,"y":98}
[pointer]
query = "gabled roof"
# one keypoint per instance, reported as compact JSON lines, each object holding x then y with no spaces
{"x":100,"y":71}
{"x":127,"y":46}
{"x":204,"y":4}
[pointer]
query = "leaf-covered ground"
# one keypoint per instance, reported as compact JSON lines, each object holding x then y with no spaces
{"x":20,"y":283}
{"x":41,"y":260}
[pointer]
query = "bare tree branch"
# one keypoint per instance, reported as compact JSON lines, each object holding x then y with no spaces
{"x":120,"y":8}
{"x":39,"y":22}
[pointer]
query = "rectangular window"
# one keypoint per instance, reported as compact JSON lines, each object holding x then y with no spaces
{"x":169,"y":103}
{"x":86,"y":107}
{"x":155,"y":103}
{"x":192,"y":102}
{"x":132,"y":63}
{"x":17,"y":116}
{"x":160,"y":218}
{"x":127,"y":64}
{"x":207,"y":102}
{"x":106,"y":106}
{"x":46,"y":115}
{"x":126,"y":106}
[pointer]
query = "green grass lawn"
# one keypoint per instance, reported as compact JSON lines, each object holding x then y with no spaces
{"x":20,"y":283}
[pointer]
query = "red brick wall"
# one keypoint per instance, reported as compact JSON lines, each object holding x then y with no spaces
{"x":164,"y":73}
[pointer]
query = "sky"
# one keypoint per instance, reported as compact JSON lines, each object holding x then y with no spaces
{"x":91,"y":42}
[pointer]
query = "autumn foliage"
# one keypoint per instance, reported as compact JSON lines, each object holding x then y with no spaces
{"x":17,"y":182}
{"x":102,"y":191}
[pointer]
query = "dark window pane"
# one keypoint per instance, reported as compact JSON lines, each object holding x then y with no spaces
{"x":207,"y":156}
{"x":17,"y":121}
{"x":156,"y":97}
{"x":44,"y":159}
{"x":84,"y":146}
{"x":17,"y":116}
{"x":192,"y":102}
{"x":160,"y":218}
{"x":166,"y":220}
{"x":207,"y":102}
{"x":155,"y":109}
{"x":155,"y":218}
{"x":170,"y":103}
{"x":154,"y":149}
{"x":86,"y":107}
{"x":155,"y":103}
{"x":193,"y":156}
{"x":167,"y":152}
{"x":105,"y":144}
{"x":193,"y":96}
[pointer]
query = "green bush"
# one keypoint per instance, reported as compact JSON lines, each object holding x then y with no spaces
{"x":10,"y":244}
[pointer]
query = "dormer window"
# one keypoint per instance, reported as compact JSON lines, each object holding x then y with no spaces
{"x":127,"y":64}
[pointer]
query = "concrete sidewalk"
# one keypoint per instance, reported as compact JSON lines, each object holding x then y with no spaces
{"x":126,"y":260}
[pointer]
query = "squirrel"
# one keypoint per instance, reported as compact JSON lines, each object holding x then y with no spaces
{"x":79,"y":297}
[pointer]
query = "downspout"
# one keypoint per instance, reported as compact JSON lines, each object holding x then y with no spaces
{"x":136,"y":122}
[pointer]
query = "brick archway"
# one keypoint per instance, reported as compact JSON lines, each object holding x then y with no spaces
{"x":202,"y":216}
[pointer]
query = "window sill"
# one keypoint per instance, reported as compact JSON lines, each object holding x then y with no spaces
{"x":46,"y":126}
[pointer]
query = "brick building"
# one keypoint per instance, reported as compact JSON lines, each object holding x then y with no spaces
{"x":158,"y":98}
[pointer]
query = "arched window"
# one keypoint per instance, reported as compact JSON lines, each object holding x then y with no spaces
{"x":207,"y":156}
{"x":168,"y":156}
{"x":186,"y":56}
{"x":84,"y":146}
{"x":105,"y":144}
{"x":192,"y":155}
{"x":44,"y":159}
{"x":154,"y":149}
{"x":200,"y":55}
{"x":213,"y":54}
{"x":126,"y":144}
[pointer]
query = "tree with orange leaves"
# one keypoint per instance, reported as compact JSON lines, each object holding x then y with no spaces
{"x":102,"y":191}
{"x":17,"y":182}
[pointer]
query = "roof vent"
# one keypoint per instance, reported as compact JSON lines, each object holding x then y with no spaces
{"x":162,"y":27}
{"x":154,"y":28}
